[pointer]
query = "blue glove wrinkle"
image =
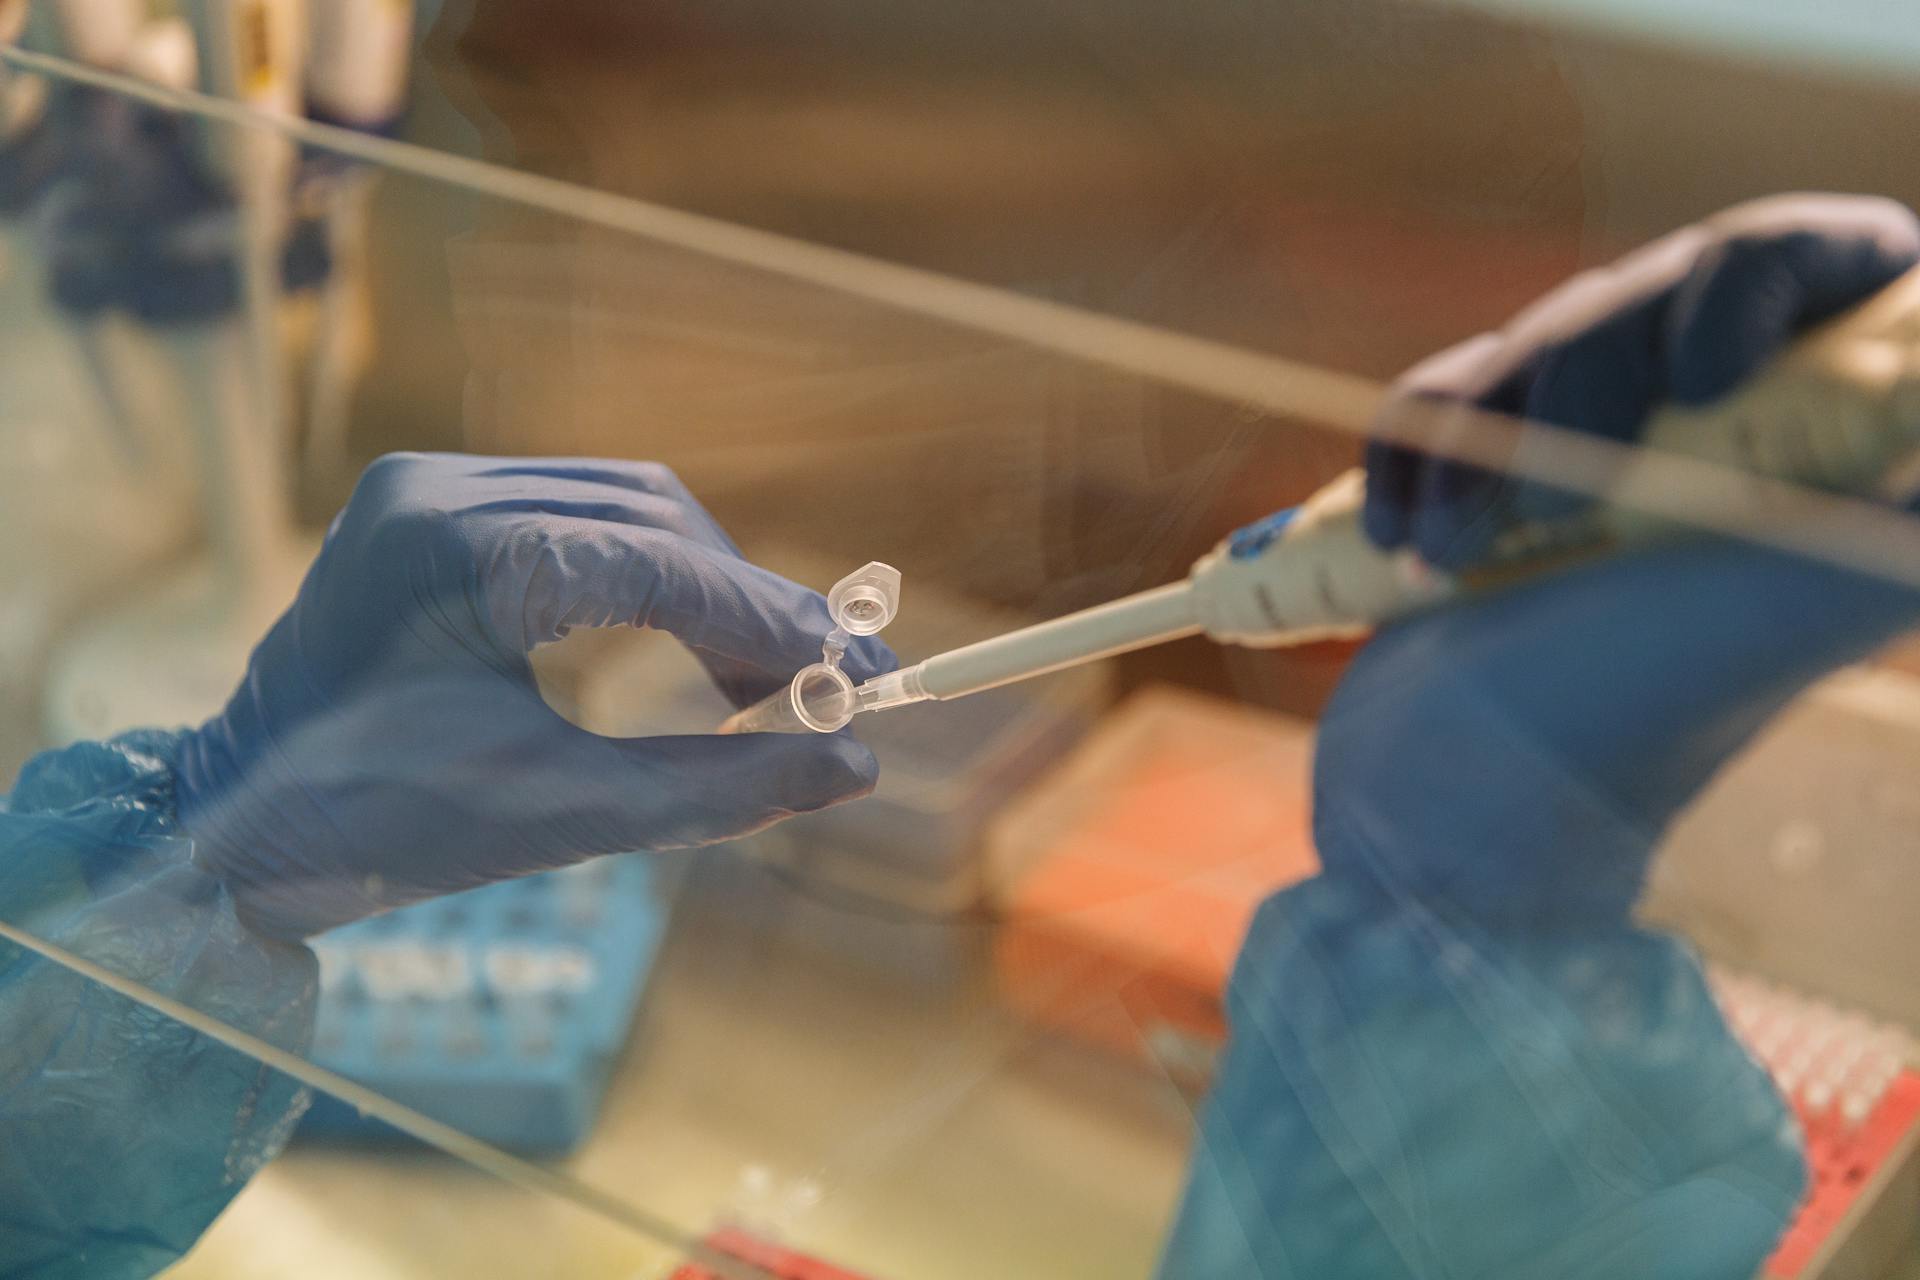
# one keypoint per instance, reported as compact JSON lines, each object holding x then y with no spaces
{"x":1392,"y":473}
{"x":124,"y":1133}
{"x":1599,"y":293}
{"x":648,"y":478}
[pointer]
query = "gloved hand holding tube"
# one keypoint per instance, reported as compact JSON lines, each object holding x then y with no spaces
{"x":1453,"y":1053}
{"x":388,"y":743}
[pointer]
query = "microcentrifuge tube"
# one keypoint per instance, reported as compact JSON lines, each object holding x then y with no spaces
{"x":821,"y":698}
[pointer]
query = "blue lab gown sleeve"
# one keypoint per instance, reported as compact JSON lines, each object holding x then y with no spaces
{"x":123,"y":1133}
{"x":1453,"y":1054}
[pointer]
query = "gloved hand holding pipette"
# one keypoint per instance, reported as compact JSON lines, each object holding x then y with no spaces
{"x":1837,"y":410}
{"x":1452,"y":1053}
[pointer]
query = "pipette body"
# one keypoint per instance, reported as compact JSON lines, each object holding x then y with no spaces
{"x":1839,"y":410}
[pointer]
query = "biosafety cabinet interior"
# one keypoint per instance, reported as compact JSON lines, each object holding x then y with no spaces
{"x":1036,"y":308}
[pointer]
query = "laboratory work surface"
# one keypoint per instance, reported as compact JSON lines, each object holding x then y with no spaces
{"x":893,"y":1127}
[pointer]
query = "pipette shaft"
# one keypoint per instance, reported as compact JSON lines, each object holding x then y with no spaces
{"x":1135,"y":622}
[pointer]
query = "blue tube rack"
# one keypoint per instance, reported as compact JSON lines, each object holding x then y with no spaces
{"x":499,"y":1011}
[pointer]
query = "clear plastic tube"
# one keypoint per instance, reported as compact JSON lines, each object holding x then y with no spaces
{"x":820,"y":699}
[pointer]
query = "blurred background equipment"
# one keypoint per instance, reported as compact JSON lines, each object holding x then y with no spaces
{"x":359,"y":63}
{"x":1125,"y":880}
{"x":185,"y":237}
{"x":177,"y":255}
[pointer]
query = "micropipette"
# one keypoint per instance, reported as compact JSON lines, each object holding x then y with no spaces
{"x":1840,"y":409}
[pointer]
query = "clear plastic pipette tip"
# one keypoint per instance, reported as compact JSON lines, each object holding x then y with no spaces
{"x":894,"y":689}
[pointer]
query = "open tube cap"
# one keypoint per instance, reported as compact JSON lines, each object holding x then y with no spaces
{"x":866,"y":600}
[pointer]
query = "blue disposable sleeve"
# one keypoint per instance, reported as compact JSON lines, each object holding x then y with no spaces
{"x":124,"y":1133}
{"x":1409,"y":1094}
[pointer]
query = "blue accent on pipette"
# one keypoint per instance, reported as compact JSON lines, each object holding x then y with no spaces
{"x":1248,"y":542}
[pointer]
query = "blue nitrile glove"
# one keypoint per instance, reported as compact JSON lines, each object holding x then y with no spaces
{"x":1453,"y":1054}
{"x":388,"y":743}
{"x":122,"y":1133}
